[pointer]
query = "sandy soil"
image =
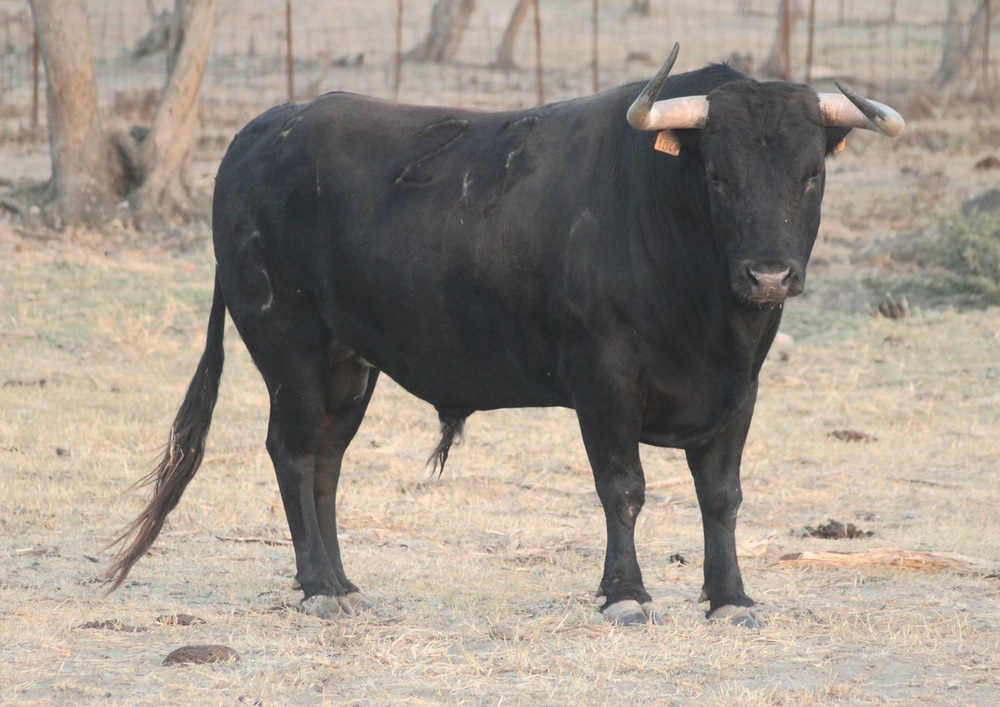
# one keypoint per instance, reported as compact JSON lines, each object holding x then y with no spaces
{"x":484,"y":578}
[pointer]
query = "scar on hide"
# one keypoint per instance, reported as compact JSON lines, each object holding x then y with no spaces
{"x":289,"y":124}
{"x":270,"y":293}
{"x":487,"y":182}
{"x":519,"y":131}
{"x":466,"y":183}
{"x":251,"y":253}
{"x":440,"y":135}
{"x":584,"y":227}
{"x":581,"y":295}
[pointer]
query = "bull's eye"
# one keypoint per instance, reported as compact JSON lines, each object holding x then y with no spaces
{"x":812,"y":181}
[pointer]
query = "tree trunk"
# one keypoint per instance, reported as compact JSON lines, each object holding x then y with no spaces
{"x":965,"y":35}
{"x":778,"y":63}
{"x":449,"y":20}
{"x":92,"y":170}
{"x":505,"y":52}
{"x":165,"y":153}
{"x":80,"y":191}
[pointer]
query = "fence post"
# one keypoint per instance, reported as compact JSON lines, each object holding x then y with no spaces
{"x":786,"y":39}
{"x":594,"y":66}
{"x":289,"y":54}
{"x":986,"y":47}
{"x":809,"y":42}
{"x":539,"y":85}
{"x":398,"y":78}
{"x":34,"y":81}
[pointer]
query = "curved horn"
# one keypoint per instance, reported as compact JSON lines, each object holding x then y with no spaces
{"x":647,"y":113}
{"x":639,"y":112}
{"x":673,"y":114}
{"x":852,"y":110}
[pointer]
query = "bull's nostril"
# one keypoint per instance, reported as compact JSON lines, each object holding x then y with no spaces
{"x":765,"y":282}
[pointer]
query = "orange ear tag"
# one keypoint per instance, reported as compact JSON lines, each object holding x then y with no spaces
{"x":841,"y":146}
{"x":667,"y":142}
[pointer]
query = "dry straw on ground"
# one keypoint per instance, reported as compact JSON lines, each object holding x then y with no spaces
{"x":484,"y":579}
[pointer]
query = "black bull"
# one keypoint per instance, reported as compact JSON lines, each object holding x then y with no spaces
{"x":548,"y":257}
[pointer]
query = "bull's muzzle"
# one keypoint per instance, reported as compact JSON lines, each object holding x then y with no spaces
{"x":769,"y":283}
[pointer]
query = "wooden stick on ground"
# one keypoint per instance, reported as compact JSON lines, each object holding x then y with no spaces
{"x":893,"y":557}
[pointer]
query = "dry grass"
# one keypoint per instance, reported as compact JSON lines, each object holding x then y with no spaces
{"x":484,"y":579}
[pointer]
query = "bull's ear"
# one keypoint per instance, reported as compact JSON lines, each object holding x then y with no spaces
{"x":836,"y":139}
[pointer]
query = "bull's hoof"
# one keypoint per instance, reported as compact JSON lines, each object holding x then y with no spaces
{"x":327,"y":607}
{"x":629,"y":612}
{"x":738,"y":616}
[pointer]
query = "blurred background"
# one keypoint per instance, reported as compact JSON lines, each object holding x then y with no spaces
{"x":934,"y":56}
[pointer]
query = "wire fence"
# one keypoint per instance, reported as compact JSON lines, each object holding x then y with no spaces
{"x":265,"y":51}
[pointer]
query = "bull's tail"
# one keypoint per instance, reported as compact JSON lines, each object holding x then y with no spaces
{"x":184,"y":451}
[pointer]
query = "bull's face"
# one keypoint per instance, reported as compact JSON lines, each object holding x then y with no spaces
{"x":762,"y":150}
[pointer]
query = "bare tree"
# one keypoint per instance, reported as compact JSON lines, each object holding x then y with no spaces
{"x":505,"y":52}
{"x":449,"y":20}
{"x":779,"y":63}
{"x":965,"y":57}
{"x":83,"y":171}
{"x":93,"y":169}
{"x":165,"y":153}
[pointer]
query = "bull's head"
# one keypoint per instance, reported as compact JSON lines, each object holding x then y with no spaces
{"x":762,"y":148}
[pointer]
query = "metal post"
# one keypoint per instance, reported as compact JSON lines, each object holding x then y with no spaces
{"x":594,"y":66}
{"x":538,"y":56}
{"x":986,"y":46}
{"x":809,"y":43}
{"x":786,"y":39}
{"x":289,"y":54}
{"x":34,"y":81}
{"x":398,"y":79}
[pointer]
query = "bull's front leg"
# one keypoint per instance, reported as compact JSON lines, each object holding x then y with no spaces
{"x":715,"y":466}
{"x":612,"y":443}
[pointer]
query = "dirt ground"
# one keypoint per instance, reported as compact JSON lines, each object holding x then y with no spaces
{"x":484,"y":579}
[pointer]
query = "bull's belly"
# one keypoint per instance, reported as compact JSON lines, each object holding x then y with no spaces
{"x":449,"y":378}
{"x":681,"y":437}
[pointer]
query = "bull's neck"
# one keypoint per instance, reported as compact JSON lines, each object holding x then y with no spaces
{"x":683,"y":261}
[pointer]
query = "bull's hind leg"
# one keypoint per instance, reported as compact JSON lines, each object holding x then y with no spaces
{"x":317,"y":404}
{"x":319,"y":393}
{"x":352,"y":382}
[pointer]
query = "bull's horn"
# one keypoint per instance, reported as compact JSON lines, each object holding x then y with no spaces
{"x":852,"y":110}
{"x":647,"y":113}
{"x":673,"y":114}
